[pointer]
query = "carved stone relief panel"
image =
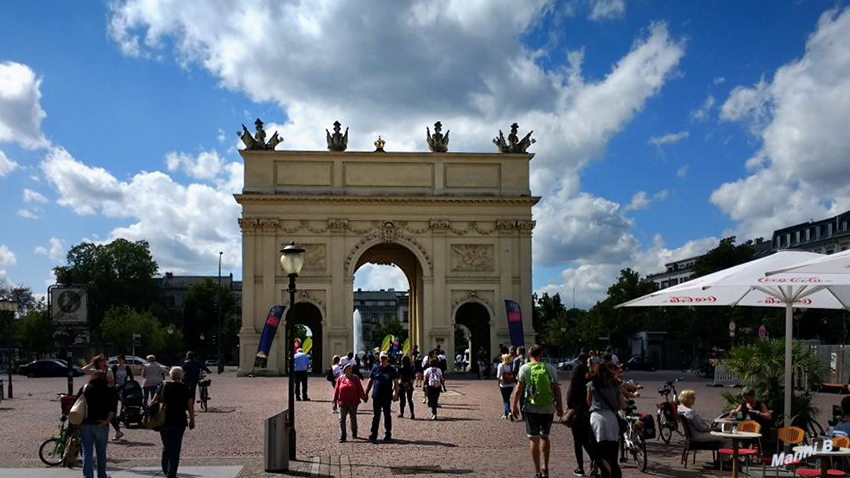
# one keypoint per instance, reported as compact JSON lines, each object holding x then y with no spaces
{"x":472,"y":258}
{"x":315,"y":257}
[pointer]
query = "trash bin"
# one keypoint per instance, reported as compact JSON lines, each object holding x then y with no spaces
{"x":276,"y":449}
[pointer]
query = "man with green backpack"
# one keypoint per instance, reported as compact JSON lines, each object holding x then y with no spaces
{"x":539,"y":382}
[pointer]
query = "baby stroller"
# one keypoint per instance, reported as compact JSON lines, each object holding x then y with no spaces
{"x":132,"y":401}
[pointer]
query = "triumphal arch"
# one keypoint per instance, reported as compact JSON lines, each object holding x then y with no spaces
{"x":458,"y":224}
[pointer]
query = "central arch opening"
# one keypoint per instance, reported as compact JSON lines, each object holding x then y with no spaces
{"x":388,"y":290}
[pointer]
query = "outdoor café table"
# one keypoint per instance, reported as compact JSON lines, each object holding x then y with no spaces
{"x":823,"y":455}
{"x":735,"y":436}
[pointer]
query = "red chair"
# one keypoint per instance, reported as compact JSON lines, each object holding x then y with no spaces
{"x":785,"y":436}
{"x":748,"y":426}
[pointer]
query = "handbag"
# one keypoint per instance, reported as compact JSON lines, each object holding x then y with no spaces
{"x":154,"y":417}
{"x":79,"y":410}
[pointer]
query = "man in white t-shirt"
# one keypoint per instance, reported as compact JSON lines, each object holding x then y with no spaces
{"x":614,"y":359}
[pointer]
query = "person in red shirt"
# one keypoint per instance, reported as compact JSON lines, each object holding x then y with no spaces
{"x":348,"y":392}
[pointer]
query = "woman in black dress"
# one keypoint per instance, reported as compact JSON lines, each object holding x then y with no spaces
{"x":178,"y":401}
{"x":405,"y":386}
{"x":577,"y":401}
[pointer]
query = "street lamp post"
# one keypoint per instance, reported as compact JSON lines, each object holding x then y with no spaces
{"x":218,"y":301}
{"x":9,"y":306}
{"x":291,"y":261}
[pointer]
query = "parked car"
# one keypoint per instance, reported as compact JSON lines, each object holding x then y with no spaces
{"x":210,"y":363}
{"x":133,"y":361}
{"x":48,"y":368}
{"x":639,"y":363}
{"x":568,"y":365}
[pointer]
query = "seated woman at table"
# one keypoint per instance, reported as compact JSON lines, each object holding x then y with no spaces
{"x":700,"y":428}
{"x":842,"y":428}
{"x":752,"y":409}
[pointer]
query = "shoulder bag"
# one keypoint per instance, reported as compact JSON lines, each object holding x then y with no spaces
{"x":79,"y":410}
{"x":154,"y":417}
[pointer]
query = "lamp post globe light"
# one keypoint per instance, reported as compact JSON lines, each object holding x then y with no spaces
{"x":291,"y":261}
{"x":170,"y":331}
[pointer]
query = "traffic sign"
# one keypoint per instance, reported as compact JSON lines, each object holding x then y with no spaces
{"x":68,"y":305}
{"x":137,"y":340}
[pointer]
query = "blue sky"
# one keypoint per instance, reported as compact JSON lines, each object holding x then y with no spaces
{"x":661,"y":126}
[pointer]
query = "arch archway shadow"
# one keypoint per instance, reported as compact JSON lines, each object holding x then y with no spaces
{"x":309,"y":315}
{"x":476,"y":319}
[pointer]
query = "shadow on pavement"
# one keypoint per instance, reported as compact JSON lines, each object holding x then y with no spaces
{"x":398,"y":441}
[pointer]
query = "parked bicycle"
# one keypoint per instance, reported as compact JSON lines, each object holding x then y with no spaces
{"x":52,"y":451}
{"x":667,"y":412}
{"x":639,"y":428}
{"x":204,"y":391}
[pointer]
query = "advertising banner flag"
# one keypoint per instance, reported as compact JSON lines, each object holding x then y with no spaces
{"x":272,"y":322}
{"x":307,"y":345}
{"x":514,"y":315}
{"x":405,"y":348}
{"x":388,"y":341}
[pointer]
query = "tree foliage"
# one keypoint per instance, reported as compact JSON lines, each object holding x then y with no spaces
{"x":724,"y":256}
{"x":22,"y":297}
{"x":200,"y":314}
{"x":120,"y":323}
{"x":117,"y":274}
{"x":393,"y":327}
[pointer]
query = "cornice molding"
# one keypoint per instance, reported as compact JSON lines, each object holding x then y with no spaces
{"x":286,"y":198}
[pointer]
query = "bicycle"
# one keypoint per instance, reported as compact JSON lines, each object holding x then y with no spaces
{"x":204,"y":390}
{"x":668,"y":410}
{"x":633,"y":439}
{"x":52,"y":450}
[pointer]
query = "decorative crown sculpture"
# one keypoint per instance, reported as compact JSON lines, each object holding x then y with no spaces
{"x":513,"y":144}
{"x":258,"y":141}
{"x":337,"y":141}
{"x":379,"y":145}
{"x":438,"y":143}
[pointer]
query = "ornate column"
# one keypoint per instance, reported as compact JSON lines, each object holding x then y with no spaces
{"x":252,"y":323}
{"x":525,"y":229}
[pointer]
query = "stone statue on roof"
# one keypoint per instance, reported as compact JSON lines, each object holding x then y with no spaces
{"x":337,"y":141}
{"x":258,"y":140}
{"x":438,"y":142}
{"x":513,"y":144}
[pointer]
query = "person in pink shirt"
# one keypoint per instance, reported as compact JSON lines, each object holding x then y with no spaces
{"x":348,"y":392}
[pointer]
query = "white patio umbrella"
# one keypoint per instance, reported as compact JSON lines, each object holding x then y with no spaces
{"x":749,"y":284}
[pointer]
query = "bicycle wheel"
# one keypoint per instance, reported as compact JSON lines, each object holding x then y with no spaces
{"x":51,"y":452}
{"x":639,"y":451}
{"x":664,"y":429}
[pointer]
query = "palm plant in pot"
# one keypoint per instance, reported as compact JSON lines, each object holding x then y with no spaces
{"x":761,"y":365}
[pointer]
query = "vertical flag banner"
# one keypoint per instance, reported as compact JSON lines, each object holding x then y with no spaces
{"x":272,"y":322}
{"x":514,"y":315}
{"x":388,"y":341}
{"x":307,"y":345}
{"x":405,"y":348}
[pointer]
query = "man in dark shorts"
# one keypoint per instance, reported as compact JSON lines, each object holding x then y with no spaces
{"x":384,"y":378}
{"x":539,"y":382}
{"x":192,"y":372}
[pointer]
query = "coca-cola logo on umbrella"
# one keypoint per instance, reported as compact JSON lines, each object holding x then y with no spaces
{"x":691,"y":300}
{"x":791,"y":280}
{"x":774,"y":300}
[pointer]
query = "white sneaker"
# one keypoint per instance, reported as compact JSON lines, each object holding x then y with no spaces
{"x":117,"y":436}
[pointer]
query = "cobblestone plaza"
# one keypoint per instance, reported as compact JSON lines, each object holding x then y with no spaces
{"x":469,"y":438}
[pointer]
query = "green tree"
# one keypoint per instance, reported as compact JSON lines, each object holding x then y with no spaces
{"x":22,"y":296}
{"x":34,"y":331}
{"x":301,"y":332}
{"x":200,"y":315}
{"x":120,"y":323}
{"x":618,"y":324}
{"x":725,"y":255}
{"x":117,"y":274}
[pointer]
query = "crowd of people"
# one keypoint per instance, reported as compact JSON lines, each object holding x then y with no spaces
{"x":104,"y":393}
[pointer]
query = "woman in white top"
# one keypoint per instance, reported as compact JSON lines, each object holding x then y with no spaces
{"x":505,"y":376}
{"x":154,"y":375}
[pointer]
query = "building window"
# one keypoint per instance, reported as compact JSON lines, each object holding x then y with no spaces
{"x":829,"y":229}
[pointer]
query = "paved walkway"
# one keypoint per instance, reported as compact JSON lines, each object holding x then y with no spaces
{"x":468,"y":439}
{"x":141,"y":472}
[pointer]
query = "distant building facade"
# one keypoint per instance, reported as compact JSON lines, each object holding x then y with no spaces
{"x":174,"y":290}
{"x":826,"y":236}
{"x":676,"y":273}
{"x":378,"y":307}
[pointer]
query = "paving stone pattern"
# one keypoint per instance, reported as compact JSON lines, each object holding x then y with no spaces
{"x":468,"y":439}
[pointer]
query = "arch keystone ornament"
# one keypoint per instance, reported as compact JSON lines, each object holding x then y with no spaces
{"x":458,"y":225}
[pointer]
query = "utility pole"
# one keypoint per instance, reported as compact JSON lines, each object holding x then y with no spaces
{"x":574,"y":297}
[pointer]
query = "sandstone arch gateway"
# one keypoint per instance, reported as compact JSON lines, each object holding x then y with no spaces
{"x":458,"y":224}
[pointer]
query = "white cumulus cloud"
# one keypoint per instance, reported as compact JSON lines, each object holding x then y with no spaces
{"x":376,"y":277}
{"x":30,"y":196}
{"x":800,"y":118}
{"x":54,"y":250}
{"x":27,"y":214}
{"x":20,"y":106}
{"x":607,"y":9}
{"x":206,"y":165}
{"x":7,"y":257}
{"x":6,"y":165}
